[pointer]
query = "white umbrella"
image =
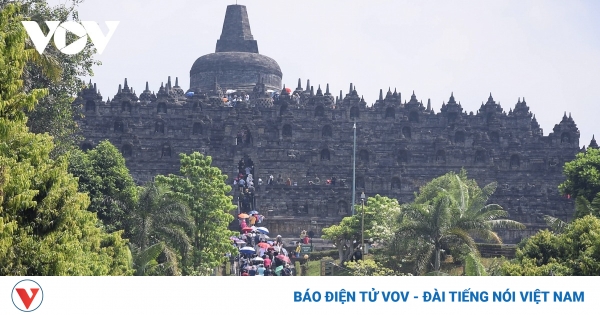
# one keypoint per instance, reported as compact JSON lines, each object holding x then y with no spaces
{"x":263,"y":230}
{"x":230,"y":91}
{"x":257,"y":259}
{"x":247,"y":250}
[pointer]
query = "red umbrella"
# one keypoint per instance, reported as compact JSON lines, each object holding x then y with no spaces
{"x":283,"y":258}
{"x":288,"y":90}
{"x":263,"y":245}
{"x":247,"y":229}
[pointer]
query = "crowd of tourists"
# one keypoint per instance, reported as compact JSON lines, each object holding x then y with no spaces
{"x":258,"y":254}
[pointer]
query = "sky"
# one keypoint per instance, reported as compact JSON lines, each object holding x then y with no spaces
{"x":545,"y":51}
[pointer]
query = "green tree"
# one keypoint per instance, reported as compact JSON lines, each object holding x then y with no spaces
{"x":583,"y":175}
{"x":575,"y":252}
{"x":54,"y":114}
{"x":44,"y":227}
{"x":104,"y":176}
{"x":161,"y":225}
{"x":448,"y":213}
{"x":583,"y":207}
{"x":380,"y":224}
{"x":369,"y":267}
{"x":203,"y":189}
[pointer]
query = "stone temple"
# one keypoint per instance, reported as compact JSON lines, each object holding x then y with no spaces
{"x":402,"y":143}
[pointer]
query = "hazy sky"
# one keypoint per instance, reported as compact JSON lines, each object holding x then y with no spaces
{"x":546,"y":51}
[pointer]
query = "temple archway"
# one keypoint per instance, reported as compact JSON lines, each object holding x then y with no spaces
{"x":494,"y":137}
{"x":363,"y":156}
{"x":327,"y":131}
{"x":390,"y":112}
{"x":413,"y":116}
{"x":354,"y":112}
{"x":406,"y":132}
{"x":459,"y":137}
{"x":480,"y":156}
{"x":360,"y":182}
{"x":119,"y":126}
{"x":166,"y":151}
{"x":197,"y":128}
{"x":515,"y":161}
{"x":452,"y":118}
{"x":90,"y":106}
{"x":161,"y":108}
{"x":283,"y":109}
{"x":440,"y":156}
{"x":126,"y":106}
{"x":319,"y":111}
{"x":396,"y":184}
{"x":402,"y":156}
{"x":325,"y":155}
{"x":287,"y":131}
{"x":342,"y":207}
{"x":159,"y":127}
{"x":127,"y":150}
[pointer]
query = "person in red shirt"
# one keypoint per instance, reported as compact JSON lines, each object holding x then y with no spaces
{"x":266,"y":261}
{"x":245,"y":273}
{"x":306,"y":240}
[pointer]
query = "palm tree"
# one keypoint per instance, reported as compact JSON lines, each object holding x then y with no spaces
{"x":451,"y":211}
{"x":583,"y":207}
{"x":161,"y":228}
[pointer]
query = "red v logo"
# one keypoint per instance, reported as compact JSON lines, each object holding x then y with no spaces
{"x":25,"y":296}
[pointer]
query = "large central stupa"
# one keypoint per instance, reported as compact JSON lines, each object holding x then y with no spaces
{"x":236,"y":63}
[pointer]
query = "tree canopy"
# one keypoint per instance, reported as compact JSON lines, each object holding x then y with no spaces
{"x":380,"y":224}
{"x":104,"y":176}
{"x":44,"y":226}
{"x":59,"y":73}
{"x":203,"y":189}
{"x":574,"y":252}
{"x":582,"y":175}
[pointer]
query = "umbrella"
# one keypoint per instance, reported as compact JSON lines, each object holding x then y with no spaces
{"x":240,"y":242}
{"x":288,"y":90}
{"x":247,"y":229}
{"x":230,"y":91}
{"x":243,"y":216}
{"x":270,"y":91}
{"x":285,"y":252}
{"x":278,"y":270}
{"x":233,"y":238}
{"x":257,"y":259}
{"x":283,"y":258}
{"x":253,"y":212}
{"x":263,"y":230}
{"x":189,"y":94}
{"x":263,"y":245}
{"x":247,"y":250}
{"x":254,"y":228}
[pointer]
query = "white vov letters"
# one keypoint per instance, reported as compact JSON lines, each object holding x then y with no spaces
{"x":59,"y":30}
